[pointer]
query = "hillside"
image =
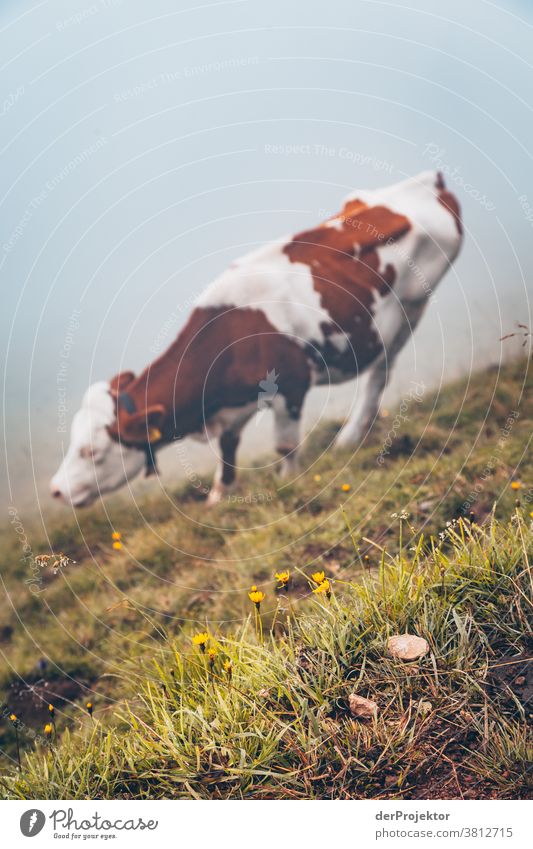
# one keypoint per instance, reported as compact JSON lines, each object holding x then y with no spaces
{"x":114,"y":628}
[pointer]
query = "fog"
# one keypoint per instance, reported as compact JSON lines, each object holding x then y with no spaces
{"x":144,"y":146}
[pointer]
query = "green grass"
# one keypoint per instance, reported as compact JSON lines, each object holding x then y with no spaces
{"x":281,"y":728}
{"x":116,"y":626}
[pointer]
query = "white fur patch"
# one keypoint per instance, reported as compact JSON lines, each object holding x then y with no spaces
{"x":424,"y":253}
{"x":267,"y":280}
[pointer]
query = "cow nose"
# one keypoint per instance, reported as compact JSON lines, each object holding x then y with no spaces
{"x":56,"y":493}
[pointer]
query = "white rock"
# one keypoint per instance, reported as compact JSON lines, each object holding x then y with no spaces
{"x":407,"y":646}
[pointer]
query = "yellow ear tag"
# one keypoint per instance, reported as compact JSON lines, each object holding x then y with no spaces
{"x":154,"y":434}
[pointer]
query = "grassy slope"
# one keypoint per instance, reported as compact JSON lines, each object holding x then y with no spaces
{"x":282,"y":729}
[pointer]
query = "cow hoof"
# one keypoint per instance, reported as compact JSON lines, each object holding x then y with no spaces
{"x":216,"y":494}
{"x":347,"y":440}
{"x":288,"y":465}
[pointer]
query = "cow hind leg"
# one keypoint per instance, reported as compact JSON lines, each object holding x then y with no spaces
{"x":401,"y":320}
{"x":366,"y":408}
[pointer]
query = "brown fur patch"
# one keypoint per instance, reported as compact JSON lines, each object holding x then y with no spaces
{"x":216,"y":362}
{"x":344,"y":263}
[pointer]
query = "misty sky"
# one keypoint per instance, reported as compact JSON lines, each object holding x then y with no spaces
{"x":143,"y":146}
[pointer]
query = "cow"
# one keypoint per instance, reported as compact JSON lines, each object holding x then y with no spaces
{"x":323,"y":306}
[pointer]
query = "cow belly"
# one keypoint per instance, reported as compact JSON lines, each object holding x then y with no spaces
{"x":392,"y":323}
{"x":229,"y":419}
{"x":334,"y":365}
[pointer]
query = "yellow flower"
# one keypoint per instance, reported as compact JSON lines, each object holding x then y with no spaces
{"x":324,"y":587}
{"x":283,"y":578}
{"x":256,"y":596}
{"x":211,"y":654}
{"x":51,"y":710}
{"x":201,"y":639}
{"x":317,"y":478}
{"x":117,"y":545}
{"x":346,"y":487}
{"x":318,"y":577}
{"x":227,"y":666}
{"x":13,"y":717}
{"x":531,"y":514}
{"x":516,"y":485}
{"x":89,"y":707}
{"x":116,"y":535}
{"x":48,"y":728}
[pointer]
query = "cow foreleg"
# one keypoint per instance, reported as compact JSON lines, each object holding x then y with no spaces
{"x":287,"y":433}
{"x":226,"y":472}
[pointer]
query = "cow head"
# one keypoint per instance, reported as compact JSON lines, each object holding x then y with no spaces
{"x":108,"y":445}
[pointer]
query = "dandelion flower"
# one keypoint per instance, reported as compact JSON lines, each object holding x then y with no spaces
{"x":89,"y":707}
{"x":117,"y":545}
{"x":283,"y":578}
{"x":51,"y":710}
{"x":116,"y":535}
{"x":211,"y":654}
{"x":227,"y":666}
{"x":256,"y":596}
{"x":13,"y":717}
{"x":201,"y":639}
{"x":317,"y":478}
{"x":531,"y":514}
{"x":516,"y":485}
{"x":318,"y":577}
{"x":48,"y":728}
{"x":346,"y":487}
{"x":323,"y":588}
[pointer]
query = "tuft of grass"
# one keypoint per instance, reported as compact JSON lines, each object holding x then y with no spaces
{"x":279,"y":726}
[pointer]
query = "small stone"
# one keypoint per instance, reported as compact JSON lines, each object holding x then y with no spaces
{"x":407,"y":646}
{"x":362,"y":708}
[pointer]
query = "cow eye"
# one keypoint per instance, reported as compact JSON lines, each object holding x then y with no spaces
{"x":90,"y":453}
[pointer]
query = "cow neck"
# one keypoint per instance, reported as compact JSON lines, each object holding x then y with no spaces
{"x":176,"y":379}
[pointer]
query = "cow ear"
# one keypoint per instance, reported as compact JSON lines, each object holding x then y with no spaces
{"x":120,"y":381}
{"x":142,"y":427}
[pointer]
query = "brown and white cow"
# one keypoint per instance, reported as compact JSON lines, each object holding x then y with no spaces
{"x":324,"y":306}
